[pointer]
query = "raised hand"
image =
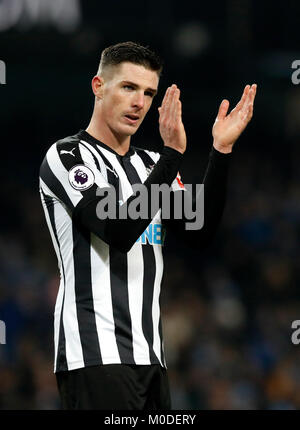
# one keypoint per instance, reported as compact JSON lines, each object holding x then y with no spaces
{"x":170,"y":121}
{"x":227,"y":128}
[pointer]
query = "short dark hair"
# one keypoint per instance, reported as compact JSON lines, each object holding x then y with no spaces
{"x":133,"y":53}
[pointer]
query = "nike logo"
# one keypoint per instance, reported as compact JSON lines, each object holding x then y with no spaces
{"x":67,"y":152}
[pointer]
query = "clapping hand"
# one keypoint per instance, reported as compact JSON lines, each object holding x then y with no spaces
{"x":227,"y":128}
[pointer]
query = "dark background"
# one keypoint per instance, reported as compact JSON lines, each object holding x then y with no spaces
{"x":228,"y":309}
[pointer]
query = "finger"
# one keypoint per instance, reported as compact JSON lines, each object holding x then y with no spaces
{"x":163,"y":103}
{"x":250,"y":112}
{"x":162,"y":109}
{"x":175,"y":104}
{"x":254,"y":86}
{"x":243,"y":98}
{"x":168,"y":101}
{"x":178,"y":108}
{"x":248,"y":104}
{"x":166,"y":108}
{"x":245,"y":107}
{"x":178,"y":94}
{"x":170,"y":106}
{"x":251,"y":102}
{"x":178,"y":112}
{"x":223,"y":109}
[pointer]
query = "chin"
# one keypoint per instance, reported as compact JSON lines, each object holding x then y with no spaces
{"x":128,"y":130}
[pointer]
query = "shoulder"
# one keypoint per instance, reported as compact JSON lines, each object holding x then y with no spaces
{"x":64,"y":144}
{"x":69,"y":144}
{"x":60,"y":151}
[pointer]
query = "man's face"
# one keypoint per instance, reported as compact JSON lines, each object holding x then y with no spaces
{"x":127,"y":96}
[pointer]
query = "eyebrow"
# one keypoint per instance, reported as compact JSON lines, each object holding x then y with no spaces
{"x":153,"y":90}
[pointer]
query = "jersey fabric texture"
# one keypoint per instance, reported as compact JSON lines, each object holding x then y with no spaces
{"x":107,"y":309}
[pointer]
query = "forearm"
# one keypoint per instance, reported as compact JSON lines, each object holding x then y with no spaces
{"x":215,"y":185}
{"x":123,"y":233}
{"x":215,"y":191}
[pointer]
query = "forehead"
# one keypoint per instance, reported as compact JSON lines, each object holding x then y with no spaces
{"x":137,"y":74}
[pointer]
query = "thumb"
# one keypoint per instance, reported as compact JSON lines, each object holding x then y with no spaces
{"x":223,"y":109}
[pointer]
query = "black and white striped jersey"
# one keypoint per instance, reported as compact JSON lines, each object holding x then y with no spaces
{"x":108,"y":304}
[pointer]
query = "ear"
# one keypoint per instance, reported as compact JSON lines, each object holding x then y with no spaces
{"x":97,"y":86}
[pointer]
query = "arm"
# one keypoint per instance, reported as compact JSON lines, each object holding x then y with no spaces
{"x":226,"y":131}
{"x":123,"y":233}
{"x":215,"y":185}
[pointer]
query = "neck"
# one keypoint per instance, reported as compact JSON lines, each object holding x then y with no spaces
{"x":100,"y":131}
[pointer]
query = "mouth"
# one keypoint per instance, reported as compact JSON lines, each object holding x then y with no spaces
{"x":132,"y":118}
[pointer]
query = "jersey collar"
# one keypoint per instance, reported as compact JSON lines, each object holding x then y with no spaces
{"x":83,"y":134}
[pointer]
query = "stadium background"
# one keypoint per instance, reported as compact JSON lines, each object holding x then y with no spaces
{"x":227,"y":310}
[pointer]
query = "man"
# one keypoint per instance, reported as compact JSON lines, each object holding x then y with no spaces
{"x":108,"y":335}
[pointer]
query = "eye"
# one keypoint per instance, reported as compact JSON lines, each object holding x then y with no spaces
{"x":149,"y":93}
{"x":128,"y":87}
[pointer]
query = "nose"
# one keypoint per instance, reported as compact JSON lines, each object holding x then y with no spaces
{"x":138,"y":100}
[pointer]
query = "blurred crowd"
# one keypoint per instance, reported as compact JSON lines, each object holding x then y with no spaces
{"x":227,"y":310}
{"x":230,"y":309}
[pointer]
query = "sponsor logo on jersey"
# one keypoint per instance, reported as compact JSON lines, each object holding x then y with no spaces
{"x":81,"y":177}
{"x":154,"y":235}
